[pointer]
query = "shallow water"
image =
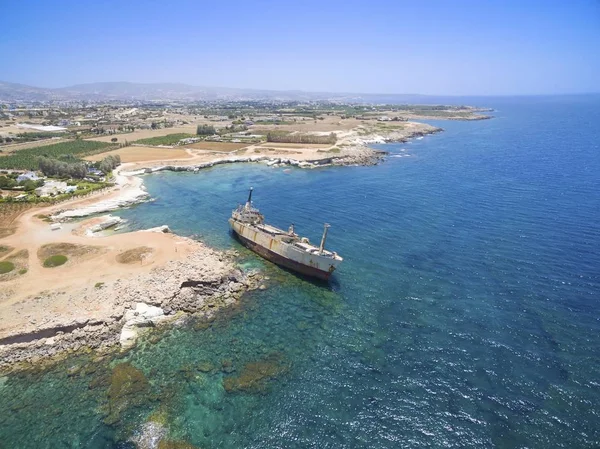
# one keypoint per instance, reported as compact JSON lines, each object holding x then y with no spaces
{"x":465,"y":313}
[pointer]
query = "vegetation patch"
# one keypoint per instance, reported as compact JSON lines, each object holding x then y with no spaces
{"x":169,"y":139}
{"x":27,"y":159}
{"x":6,"y":267}
{"x":135,"y":255}
{"x":5,"y":250}
{"x":302,"y":138}
{"x":14,"y":265}
{"x":69,"y":250}
{"x":44,"y":217}
{"x":55,"y":261}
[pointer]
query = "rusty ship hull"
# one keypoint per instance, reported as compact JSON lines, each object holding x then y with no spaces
{"x":269,"y":242}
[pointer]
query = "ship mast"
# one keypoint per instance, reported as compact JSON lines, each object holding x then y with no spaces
{"x":249,"y":202}
{"x":322,"y":246}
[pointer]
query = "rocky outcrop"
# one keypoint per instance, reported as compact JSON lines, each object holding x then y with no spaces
{"x":107,"y":221}
{"x":204,"y":282}
{"x":135,"y":319}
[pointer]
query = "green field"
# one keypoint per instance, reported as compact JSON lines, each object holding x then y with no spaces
{"x":27,"y":159}
{"x":169,"y":139}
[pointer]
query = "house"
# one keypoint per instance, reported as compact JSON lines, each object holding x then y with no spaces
{"x":95,"y":171}
{"x":51,"y":188}
{"x":29,"y":176}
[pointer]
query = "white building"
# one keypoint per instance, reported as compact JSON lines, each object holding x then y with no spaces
{"x":29,"y":176}
{"x":51,"y":188}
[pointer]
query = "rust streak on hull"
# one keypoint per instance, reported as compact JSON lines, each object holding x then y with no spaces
{"x":282,"y":261}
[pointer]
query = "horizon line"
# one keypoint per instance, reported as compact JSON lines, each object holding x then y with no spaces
{"x":313,"y":91}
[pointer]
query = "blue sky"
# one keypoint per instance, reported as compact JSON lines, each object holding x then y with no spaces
{"x":435,"y":47}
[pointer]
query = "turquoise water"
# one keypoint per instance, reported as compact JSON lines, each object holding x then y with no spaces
{"x":465,"y":313}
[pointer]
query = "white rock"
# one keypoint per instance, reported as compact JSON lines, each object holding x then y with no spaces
{"x":143,"y":315}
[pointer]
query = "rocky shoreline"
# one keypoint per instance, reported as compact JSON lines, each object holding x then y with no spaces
{"x":202,"y":284}
{"x":357,"y":152}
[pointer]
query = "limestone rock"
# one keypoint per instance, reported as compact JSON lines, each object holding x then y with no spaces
{"x":143,"y":315}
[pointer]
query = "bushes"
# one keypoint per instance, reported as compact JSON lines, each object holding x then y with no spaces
{"x":169,"y":139}
{"x":302,"y":138}
{"x":55,"y":261}
{"x":6,"y":267}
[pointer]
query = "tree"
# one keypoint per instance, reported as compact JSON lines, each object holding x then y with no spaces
{"x":29,"y":185}
{"x":205,"y":130}
{"x":7,"y":183}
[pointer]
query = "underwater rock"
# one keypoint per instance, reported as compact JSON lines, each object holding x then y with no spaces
{"x":128,"y":388}
{"x":73,"y":370}
{"x":227,"y":366}
{"x":254,"y":377}
{"x":205,"y":367}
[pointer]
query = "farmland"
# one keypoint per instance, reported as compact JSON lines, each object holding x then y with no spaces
{"x":27,"y":159}
{"x":169,"y":139}
{"x":217,"y":146}
{"x":139,"y":154}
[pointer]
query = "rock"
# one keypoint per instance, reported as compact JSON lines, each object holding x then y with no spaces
{"x":108,"y":221}
{"x":254,"y":377}
{"x":128,"y":388}
{"x":164,"y":229}
{"x":143,"y":315}
{"x":205,"y":367}
{"x":74,"y":370}
{"x":227,"y":366}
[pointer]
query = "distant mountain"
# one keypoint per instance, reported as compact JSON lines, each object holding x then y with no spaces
{"x":125,"y":91}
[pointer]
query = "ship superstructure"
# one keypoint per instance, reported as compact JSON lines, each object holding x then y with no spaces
{"x":284,"y":248}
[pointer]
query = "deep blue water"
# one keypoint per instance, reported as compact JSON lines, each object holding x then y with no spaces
{"x":466,"y":312}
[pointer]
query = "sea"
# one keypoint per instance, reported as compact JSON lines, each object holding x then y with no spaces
{"x":466,"y":312}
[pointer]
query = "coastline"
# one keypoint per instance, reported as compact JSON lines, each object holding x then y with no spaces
{"x":39,"y":324}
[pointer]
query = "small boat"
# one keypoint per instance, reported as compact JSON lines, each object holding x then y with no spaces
{"x":280,"y":247}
